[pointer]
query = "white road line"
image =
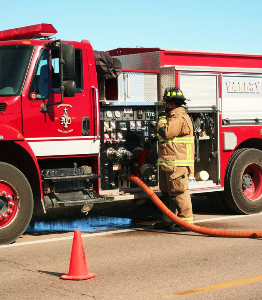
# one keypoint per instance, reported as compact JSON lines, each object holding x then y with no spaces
{"x":89,"y":235}
{"x":226,"y":218}
{"x":65,"y":238}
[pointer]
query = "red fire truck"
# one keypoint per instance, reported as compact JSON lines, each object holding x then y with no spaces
{"x":69,"y":132}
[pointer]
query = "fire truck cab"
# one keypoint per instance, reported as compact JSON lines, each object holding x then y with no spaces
{"x":69,"y":134}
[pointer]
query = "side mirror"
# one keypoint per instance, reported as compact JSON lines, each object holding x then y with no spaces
{"x":67,"y":62}
{"x":70,"y":88}
{"x":66,"y":72}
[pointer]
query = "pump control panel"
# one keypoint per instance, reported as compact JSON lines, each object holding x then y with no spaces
{"x":127,"y":142}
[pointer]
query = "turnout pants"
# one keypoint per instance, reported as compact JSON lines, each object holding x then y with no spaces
{"x":174,"y":187}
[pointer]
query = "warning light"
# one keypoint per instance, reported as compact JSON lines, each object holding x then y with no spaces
{"x":33,"y":95}
{"x":28,"y":32}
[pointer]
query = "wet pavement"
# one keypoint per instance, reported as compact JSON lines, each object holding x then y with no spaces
{"x":86,"y":224}
{"x":104,"y":217}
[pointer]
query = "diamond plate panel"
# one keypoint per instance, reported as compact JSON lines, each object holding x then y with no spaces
{"x":137,"y":87}
{"x":166,"y":80}
{"x":141,"y":61}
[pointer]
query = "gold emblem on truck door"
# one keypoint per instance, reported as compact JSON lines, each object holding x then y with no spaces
{"x":65,"y":120}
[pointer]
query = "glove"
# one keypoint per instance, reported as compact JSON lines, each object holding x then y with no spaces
{"x":162,"y":113}
{"x":161,"y":121}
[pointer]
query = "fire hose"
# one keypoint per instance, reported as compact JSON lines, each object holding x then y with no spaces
{"x":191,"y":227}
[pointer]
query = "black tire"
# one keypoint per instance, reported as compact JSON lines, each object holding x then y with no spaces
{"x":16,"y":203}
{"x":243,"y":181}
{"x":217,"y":200}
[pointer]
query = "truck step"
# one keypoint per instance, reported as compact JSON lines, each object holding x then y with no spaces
{"x":55,"y":200}
{"x":74,"y":177}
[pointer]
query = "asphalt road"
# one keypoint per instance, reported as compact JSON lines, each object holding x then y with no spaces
{"x":138,"y":263}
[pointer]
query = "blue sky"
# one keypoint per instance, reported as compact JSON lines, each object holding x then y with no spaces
{"x":221,"y":25}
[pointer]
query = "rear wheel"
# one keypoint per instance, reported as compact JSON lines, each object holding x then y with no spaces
{"x":16,"y":203}
{"x":243,"y":181}
{"x":217,"y":200}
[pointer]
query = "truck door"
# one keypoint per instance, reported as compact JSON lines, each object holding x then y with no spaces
{"x":66,"y":128}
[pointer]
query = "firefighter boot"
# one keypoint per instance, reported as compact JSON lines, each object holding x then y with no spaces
{"x":174,"y":206}
{"x":177,"y":228}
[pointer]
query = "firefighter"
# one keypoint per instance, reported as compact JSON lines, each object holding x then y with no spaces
{"x":176,"y":159}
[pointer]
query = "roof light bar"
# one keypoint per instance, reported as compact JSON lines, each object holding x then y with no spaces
{"x":28,"y":32}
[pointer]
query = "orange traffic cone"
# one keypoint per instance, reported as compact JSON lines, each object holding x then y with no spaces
{"x":78,"y":269}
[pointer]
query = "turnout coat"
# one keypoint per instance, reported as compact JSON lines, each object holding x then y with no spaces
{"x":176,"y":141}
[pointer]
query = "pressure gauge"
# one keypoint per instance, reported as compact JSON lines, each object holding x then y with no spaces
{"x":119,"y":136}
{"x":109,"y":114}
{"x":117,"y":114}
{"x":113,"y":125}
{"x":139,"y":124}
{"x":113,"y":136}
{"x":106,"y":137}
{"x":132,"y":125}
{"x":106,"y":125}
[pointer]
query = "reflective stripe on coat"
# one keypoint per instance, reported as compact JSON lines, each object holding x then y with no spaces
{"x":177,"y":148}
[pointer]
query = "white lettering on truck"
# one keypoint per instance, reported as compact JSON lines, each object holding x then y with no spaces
{"x":243,"y":87}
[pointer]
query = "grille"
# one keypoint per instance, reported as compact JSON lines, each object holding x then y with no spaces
{"x":2,"y":107}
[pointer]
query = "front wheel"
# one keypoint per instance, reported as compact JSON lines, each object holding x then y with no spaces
{"x":16,"y":203}
{"x":243,"y":181}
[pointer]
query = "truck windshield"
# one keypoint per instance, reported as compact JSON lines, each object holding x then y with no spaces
{"x":13,"y":66}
